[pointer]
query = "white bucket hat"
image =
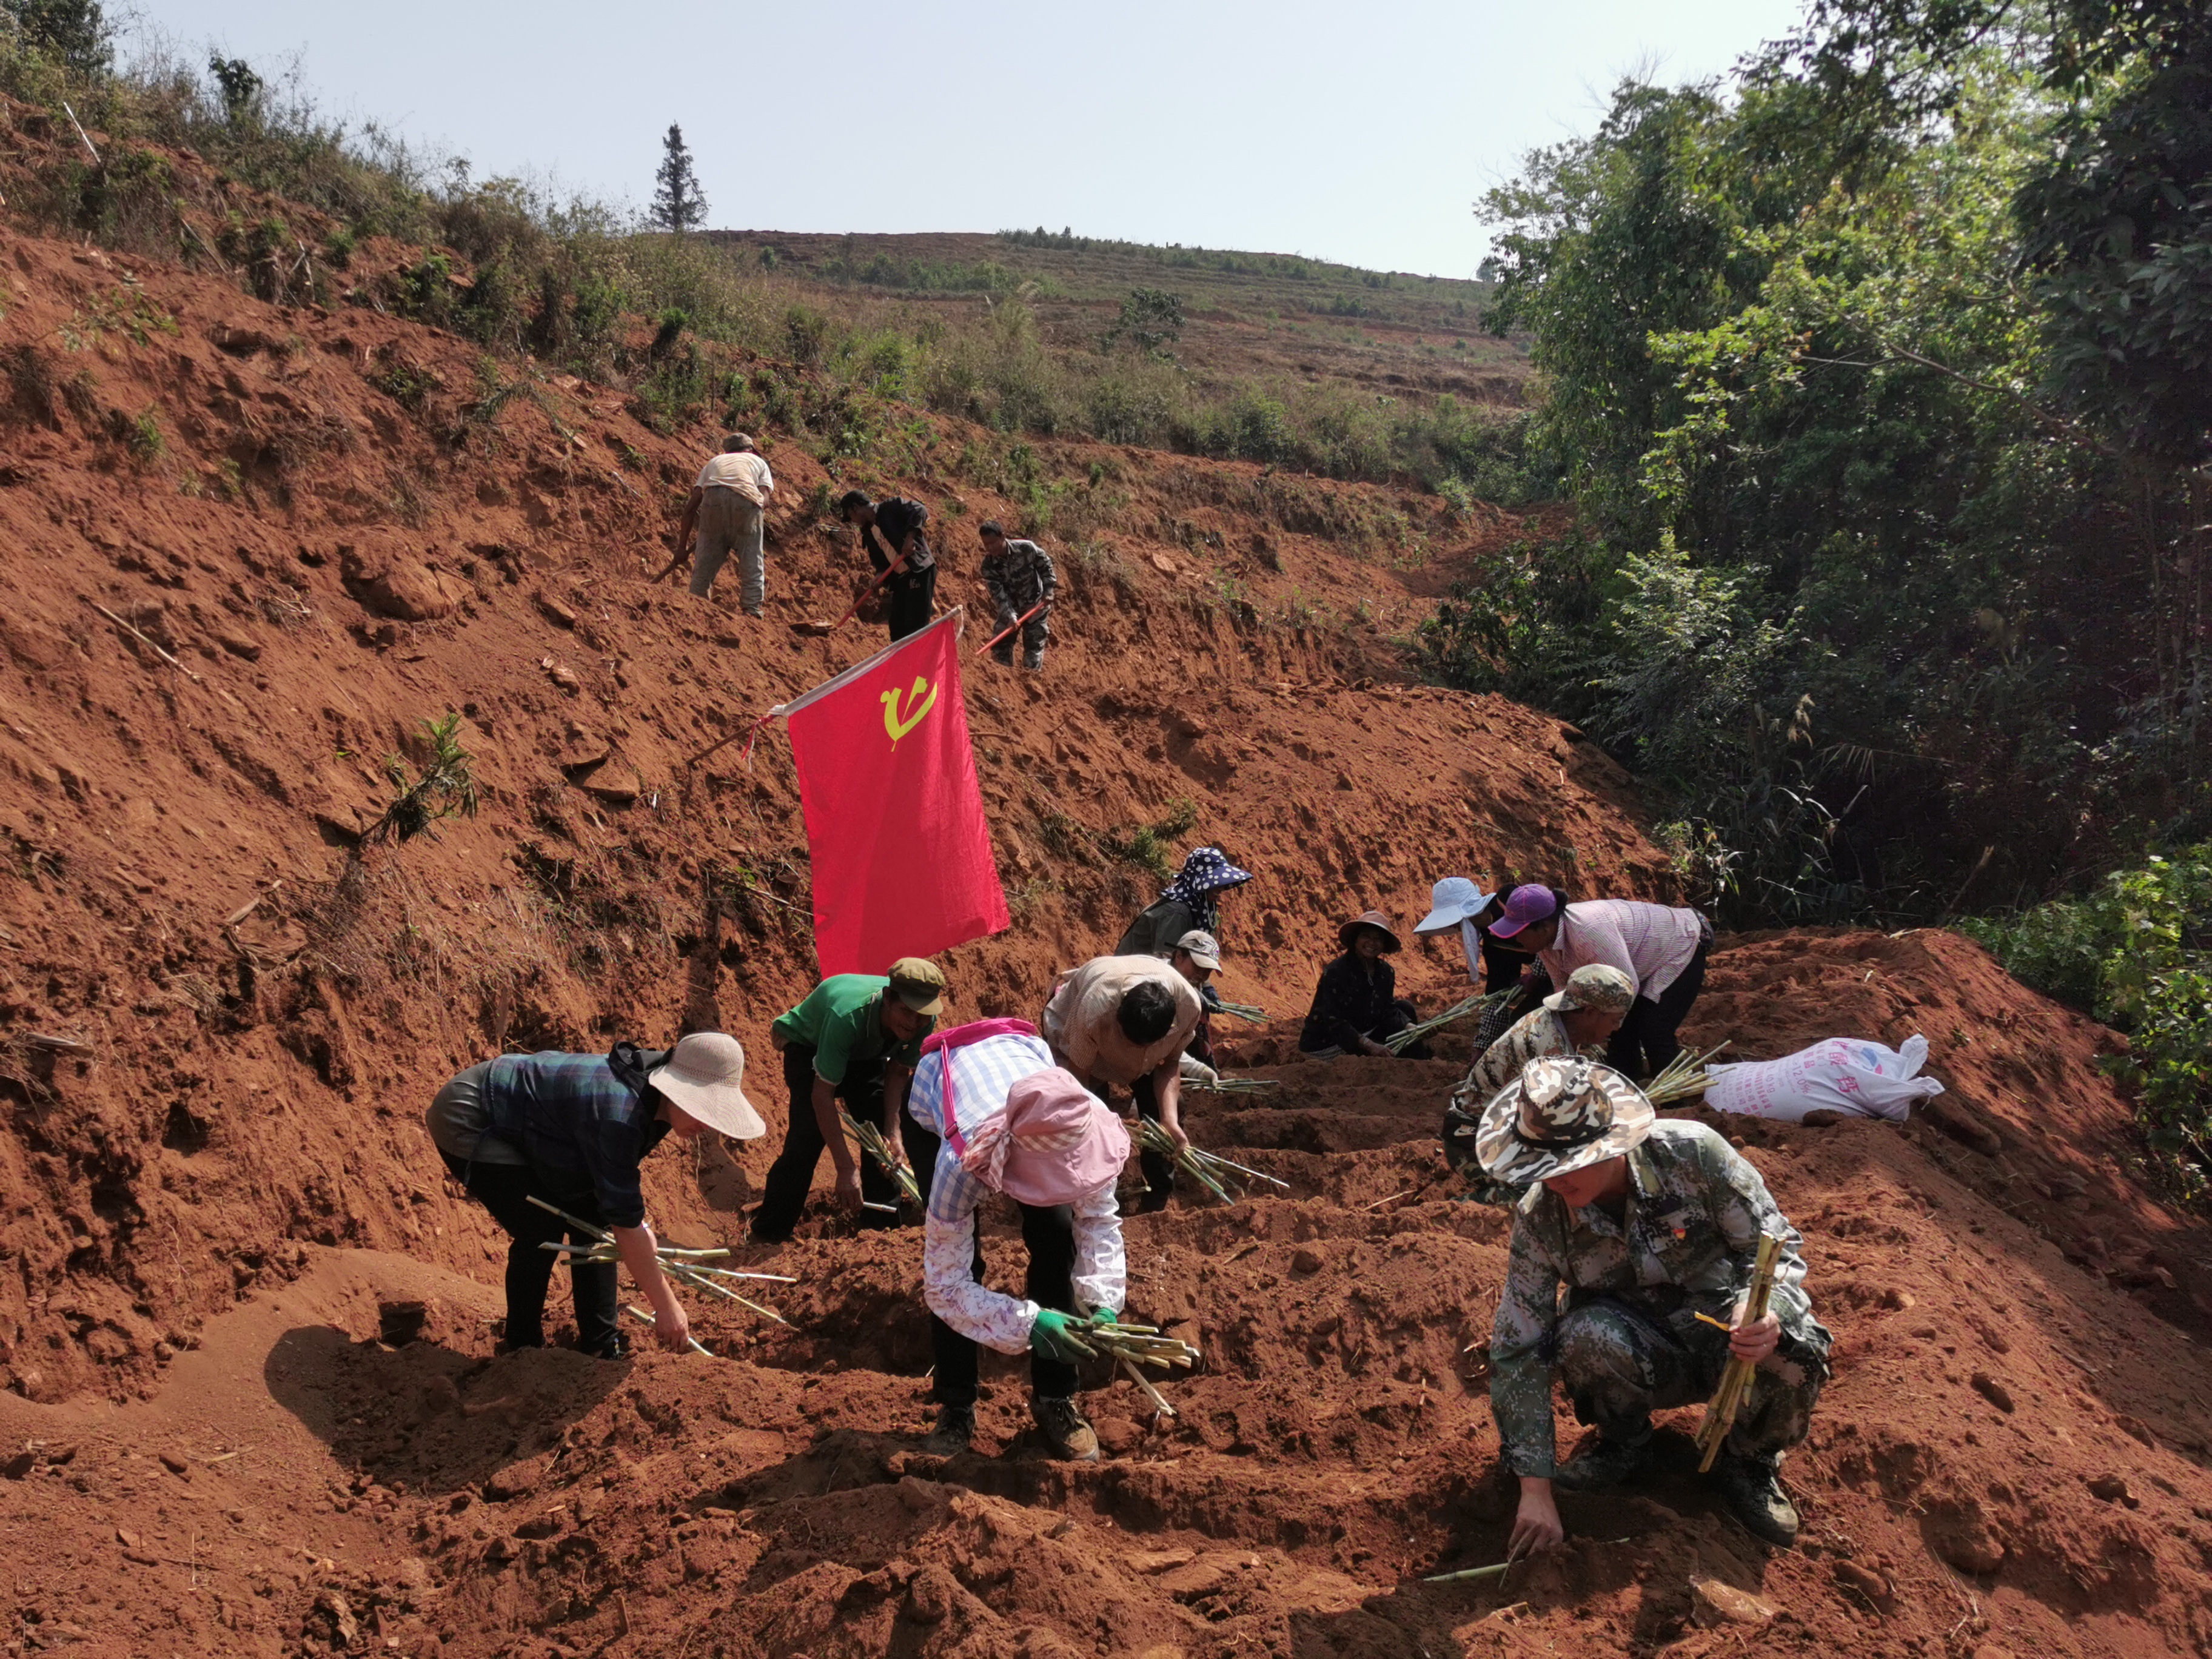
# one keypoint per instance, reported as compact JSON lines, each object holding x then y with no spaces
{"x":705,"y":1075}
{"x":1453,"y":901}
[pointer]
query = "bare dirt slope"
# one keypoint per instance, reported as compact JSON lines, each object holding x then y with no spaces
{"x":215,"y":644}
{"x":2009,"y":1459}
{"x":214,"y":1171}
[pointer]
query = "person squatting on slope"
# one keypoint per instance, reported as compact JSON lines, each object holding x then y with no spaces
{"x":1020,"y":577}
{"x":572,"y":1129}
{"x":1646,"y":1226}
{"x":854,"y":1038}
{"x":1127,"y":1020}
{"x":1572,"y":1020}
{"x":1355,"y":1003}
{"x":1009,"y":1121}
{"x":1191,"y":902}
{"x":1660,"y":947}
{"x":1457,"y":904}
{"x":728,"y":506}
{"x":890,"y":534}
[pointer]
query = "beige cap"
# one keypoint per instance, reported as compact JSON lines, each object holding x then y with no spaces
{"x":1199,"y":947}
{"x":705,"y":1075}
{"x":919,"y":983}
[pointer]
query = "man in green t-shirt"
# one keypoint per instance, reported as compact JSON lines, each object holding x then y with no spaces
{"x":855,"y":1038}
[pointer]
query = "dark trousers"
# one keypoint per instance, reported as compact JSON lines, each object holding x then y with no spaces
{"x":783,"y":1194}
{"x":1159,"y":1167}
{"x":1400,"y":1014}
{"x":1049,"y":1233}
{"x":1644,"y":1044}
{"x":505,"y":1189}
{"x":908,"y":599}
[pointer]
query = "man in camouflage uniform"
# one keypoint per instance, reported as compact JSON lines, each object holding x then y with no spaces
{"x":1646,"y":1225}
{"x":1572,"y":1021}
{"x":1020,"y":576}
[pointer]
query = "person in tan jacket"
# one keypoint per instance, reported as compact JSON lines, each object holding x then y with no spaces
{"x":1122,"y":1019}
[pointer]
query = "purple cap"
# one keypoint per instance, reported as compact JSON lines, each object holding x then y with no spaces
{"x":1523,"y":906}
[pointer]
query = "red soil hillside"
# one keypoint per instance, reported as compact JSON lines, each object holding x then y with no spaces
{"x":220,"y":1020}
{"x":328,"y":569}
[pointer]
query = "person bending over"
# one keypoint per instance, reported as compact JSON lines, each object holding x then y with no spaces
{"x":572,"y":1130}
{"x":1127,"y":1020}
{"x":1191,"y":902}
{"x":1660,"y":947}
{"x":1632,"y":1229}
{"x":1009,"y":1121}
{"x":1571,"y":1021}
{"x":855,"y":1038}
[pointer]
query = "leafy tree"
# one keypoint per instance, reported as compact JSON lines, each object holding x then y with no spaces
{"x":678,"y":204}
{"x":75,"y":32}
{"x":241,"y":89}
{"x":1151,"y":319}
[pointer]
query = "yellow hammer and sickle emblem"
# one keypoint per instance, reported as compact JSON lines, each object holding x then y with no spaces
{"x":917,"y":706}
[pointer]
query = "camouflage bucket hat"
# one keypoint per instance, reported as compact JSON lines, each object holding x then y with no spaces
{"x":1599,"y":986}
{"x":1561,"y":1115}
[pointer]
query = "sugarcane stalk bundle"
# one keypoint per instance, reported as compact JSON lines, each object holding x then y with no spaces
{"x":871,"y":1142}
{"x":1137,"y":1345}
{"x":1684,"y":1077}
{"x":1398,"y":1042}
{"x":671,"y":1263}
{"x":1243,"y":1011}
{"x":1735,"y":1380}
{"x":1218,"y":1176}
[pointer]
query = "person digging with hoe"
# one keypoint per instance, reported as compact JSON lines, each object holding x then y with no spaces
{"x":855,"y":1038}
{"x":1653,"y":1230}
{"x":1021,"y":582}
{"x":727,"y":506}
{"x":1009,"y":1121}
{"x":571,"y":1130}
{"x":891,"y":535}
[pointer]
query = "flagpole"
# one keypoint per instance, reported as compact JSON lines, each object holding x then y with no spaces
{"x":957,"y":616}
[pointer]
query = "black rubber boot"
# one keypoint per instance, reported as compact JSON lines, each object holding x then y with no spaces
{"x":955,"y":1428}
{"x":1752,"y":1492}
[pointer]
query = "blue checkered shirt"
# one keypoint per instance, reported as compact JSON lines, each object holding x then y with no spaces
{"x":981,"y":1075}
{"x":571,"y":1114}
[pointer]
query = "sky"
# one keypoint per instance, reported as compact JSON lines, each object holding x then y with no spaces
{"x":1362,"y":134}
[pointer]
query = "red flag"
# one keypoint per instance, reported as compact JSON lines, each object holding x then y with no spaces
{"x":895,"y":830}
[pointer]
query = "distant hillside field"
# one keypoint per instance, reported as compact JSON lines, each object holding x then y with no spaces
{"x":1280,"y":319}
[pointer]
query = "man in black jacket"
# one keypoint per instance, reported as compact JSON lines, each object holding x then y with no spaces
{"x":890,"y":534}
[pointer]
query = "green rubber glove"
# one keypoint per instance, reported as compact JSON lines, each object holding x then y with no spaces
{"x":1104,"y":1316}
{"x":1053,"y":1335}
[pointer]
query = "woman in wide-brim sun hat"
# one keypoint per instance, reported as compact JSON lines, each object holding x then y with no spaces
{"x":1459,"y":904}
{"x":1356,"y":1002}
{"x":572,"y":1130}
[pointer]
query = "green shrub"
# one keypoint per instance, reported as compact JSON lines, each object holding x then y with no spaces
{"x":2137,"y":954}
